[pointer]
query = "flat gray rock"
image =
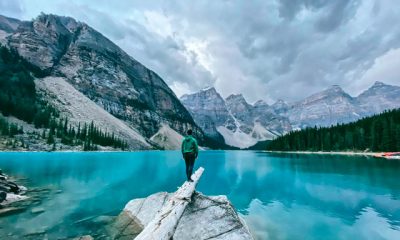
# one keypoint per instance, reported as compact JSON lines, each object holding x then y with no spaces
{"x":206,"y":217}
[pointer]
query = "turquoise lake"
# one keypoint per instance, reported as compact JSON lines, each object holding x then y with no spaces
{"x":281,"y":196}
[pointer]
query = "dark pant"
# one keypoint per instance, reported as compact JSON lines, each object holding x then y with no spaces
{"x":189,"y":160}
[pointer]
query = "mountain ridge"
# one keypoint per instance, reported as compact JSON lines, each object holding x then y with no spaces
{"x":325,"y":108}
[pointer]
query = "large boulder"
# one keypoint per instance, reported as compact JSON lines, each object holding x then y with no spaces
{"x":205,"y":217}
{"x":3,"y":196}
{"x":10,"y":191}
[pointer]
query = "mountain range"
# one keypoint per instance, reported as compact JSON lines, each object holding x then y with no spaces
{"x":237,"y":123}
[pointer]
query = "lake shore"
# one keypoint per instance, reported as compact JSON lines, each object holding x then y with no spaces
{"x":349,"y":153}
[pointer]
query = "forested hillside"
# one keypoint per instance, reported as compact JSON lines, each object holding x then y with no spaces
{"x":377,"y":133}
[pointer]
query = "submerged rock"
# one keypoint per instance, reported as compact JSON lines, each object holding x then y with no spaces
{"x":11,"y":210}
{"x":37,"y":210}
{"x":10,"y":191}
{"x":205,"y":217}
{"x":3,"y":196}
{"x":86,"y":237}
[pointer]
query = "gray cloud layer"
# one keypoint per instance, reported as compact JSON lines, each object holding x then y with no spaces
{"x":264,"y":49}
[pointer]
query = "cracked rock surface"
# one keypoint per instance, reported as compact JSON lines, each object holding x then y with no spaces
{"x":206,"y":217}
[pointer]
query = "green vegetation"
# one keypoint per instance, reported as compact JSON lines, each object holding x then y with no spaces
{"x":261,"y":145}
{"x":10,"y":130}
{"x":17,"y":88}
{"x":377,"y":133}
{"x":88,"y":135}
{"x":18,"y":98}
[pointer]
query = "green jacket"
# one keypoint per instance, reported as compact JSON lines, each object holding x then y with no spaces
{"x":189,"y":144}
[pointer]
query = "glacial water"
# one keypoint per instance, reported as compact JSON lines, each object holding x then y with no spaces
{"x":281,"y":196}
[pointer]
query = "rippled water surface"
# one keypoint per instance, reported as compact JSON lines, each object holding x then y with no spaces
{"x":281,"y":196}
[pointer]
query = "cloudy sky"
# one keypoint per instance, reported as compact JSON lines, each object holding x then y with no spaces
{"x":264,"y":49}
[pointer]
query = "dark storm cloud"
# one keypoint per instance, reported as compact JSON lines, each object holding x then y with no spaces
{"x":264,"y":49}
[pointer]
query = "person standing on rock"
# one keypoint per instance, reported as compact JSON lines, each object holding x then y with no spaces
{"x":190,"y":150}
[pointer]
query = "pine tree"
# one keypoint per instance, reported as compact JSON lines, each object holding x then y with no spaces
{"x":44,"y":134}
{"x":50,"y":139}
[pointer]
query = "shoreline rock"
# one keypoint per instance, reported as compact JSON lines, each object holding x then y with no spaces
{"x":10,"y":191}
{"x":205,"y":217}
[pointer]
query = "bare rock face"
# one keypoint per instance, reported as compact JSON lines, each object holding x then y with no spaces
{"x":380,"y":97}
{"x":211,"y":218}
{"x":325,"y":108}
{"x":239,"y":123}
{"x":208,"y":110}
{"x":204,"y":218}
{"x":333,"y":105}
{"x":79,"y":109}
{"x":167,"y":138}
{"x":99,"y":69}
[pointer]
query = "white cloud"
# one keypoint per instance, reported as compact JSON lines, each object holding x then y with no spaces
{"x":386,"y":69}
{"x":180,"y":88}
{"x":263,"y":49}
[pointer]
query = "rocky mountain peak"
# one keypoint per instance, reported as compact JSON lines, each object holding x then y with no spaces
{"x":334,"y":89}
{"x":260,"y":103}
{"x":208,"y":109}
{"x":379,"y":88}
{"x":378,"y":84}
{"x":327,"y":95}
{"x":208,"y":88}
{"x":209,"y":95}
{"x":236,"y":99}
{"x":54,"y":23}
{"x":58,"y":22}
{"x":380,"y":97}
{"x":279,"y":103}
{"x":210,"y":91}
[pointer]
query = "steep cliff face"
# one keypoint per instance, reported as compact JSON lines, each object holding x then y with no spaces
{"x":102,"y":71}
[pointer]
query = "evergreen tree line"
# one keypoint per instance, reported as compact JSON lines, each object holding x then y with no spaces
{"x":10,"y":130}
{"x":17,"y":88}
{"x":87,"y":135}
{"x":377,"y":133}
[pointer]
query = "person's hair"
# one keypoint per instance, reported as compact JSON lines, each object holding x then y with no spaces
{"x":189,"y":132}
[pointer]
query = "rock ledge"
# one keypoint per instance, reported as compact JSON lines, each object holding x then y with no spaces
{"x":205,"y":217}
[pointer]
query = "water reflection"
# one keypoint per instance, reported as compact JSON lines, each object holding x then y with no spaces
{"x":283,"y":196}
